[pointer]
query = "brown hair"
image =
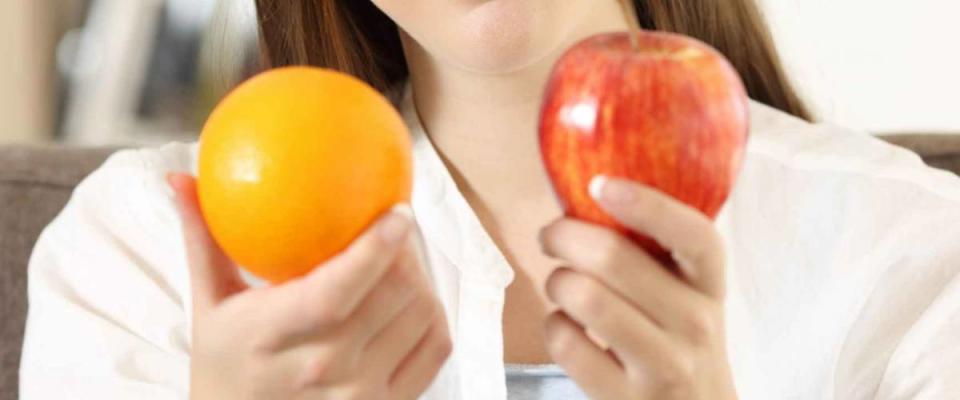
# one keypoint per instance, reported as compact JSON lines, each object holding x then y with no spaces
{"x":357,"y":38}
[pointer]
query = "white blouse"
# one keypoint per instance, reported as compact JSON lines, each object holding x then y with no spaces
{"x":843,"y":274}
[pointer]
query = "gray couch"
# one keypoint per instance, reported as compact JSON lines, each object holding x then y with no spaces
{"x":36,"y":182}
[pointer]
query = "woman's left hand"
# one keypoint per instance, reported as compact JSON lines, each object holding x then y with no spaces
{"x":660,"y":335}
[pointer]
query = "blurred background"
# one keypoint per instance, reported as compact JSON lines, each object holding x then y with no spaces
{"x":119,"y":71}
{"x":148,"y":71}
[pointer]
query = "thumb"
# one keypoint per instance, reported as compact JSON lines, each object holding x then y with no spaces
{"x":213,"y":277}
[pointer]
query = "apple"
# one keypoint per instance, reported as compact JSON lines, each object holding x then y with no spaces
{"x":660,"y":109}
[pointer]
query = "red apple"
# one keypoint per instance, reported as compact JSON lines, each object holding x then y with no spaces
{"x":663,"y":110}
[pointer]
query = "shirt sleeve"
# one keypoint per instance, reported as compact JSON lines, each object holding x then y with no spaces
{"x":109,"y":291}
{"x":926,"y":361}
{"x":905,"y":341}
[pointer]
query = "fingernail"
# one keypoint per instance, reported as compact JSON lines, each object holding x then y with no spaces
{"x":684,"y":264}
{"x":396,"y":224}
{"x":610,"y":191}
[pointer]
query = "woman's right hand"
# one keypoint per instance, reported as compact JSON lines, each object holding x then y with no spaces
{"x":363,"y":325}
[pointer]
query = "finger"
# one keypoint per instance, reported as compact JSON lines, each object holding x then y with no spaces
{"x":623,"y":266}
{"x":392,"y":295}
{"x":398,"y":339}
{"x":416,"y":372}
{"x":326,"y":297}
{"x":328,"y":360}
{"x":633,"y":337}
{"x":688,"y":233}
{"x":336,"y":355}
{"x":213,"y":277}
{"x":595,"y":371}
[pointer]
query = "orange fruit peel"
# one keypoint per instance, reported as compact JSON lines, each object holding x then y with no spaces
{"x":295,"y":163}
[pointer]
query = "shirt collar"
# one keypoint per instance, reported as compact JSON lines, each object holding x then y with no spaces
{"x":447,"y":221}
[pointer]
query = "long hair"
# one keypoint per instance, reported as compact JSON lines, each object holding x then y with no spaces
{"x":357,"y":38}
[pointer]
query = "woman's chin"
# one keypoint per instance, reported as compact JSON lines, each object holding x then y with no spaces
{"x":493,"y":36}
{"x":501,"y":36}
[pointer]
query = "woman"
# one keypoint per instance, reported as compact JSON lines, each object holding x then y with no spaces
{"x":831,"y":273}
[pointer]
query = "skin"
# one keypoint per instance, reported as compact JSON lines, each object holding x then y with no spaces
{"x":478,"y":97}
{"x":366,"y":324}
{"x":478,"y":69}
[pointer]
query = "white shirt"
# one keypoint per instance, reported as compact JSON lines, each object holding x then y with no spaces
{"x":843,"y":271}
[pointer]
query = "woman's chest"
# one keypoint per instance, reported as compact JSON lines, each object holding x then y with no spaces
{"x":525,"y":304}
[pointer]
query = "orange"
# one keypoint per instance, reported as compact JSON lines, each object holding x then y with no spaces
{"x":295,"y":163}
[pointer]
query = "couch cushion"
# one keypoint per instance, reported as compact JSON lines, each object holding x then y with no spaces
{"x":938,"y":150}
{"x":35,"y":183}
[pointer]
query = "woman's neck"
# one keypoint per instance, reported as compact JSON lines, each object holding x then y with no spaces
{"x":483,"y":124}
